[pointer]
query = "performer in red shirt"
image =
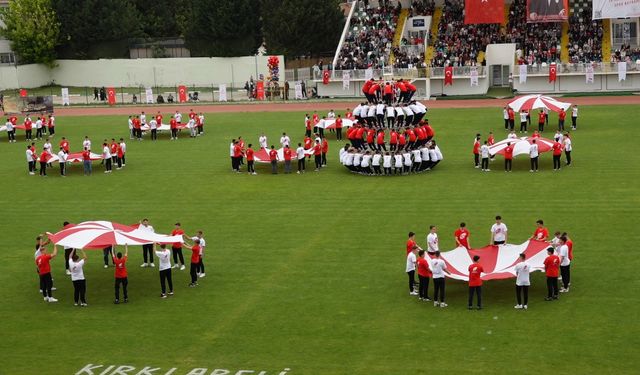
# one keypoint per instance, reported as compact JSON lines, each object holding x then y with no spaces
{"x":286,"y":152}
{"x":44,"y":270}
{"x":137,"y":128}
{"x":317,"y":153}
{"x":393,"y":141}
{"x":424,"y":273}
{"x":358,"y":137}
{"x":113,"y":148}
{"x":388,"y":93}
{"x":541,"y":233}
{"x":412,"y":138}
{"x":27,"y":129}
{"x":403,"y":90}
{"x":44,"y":159}
{"x":569,"y":244}
{"x":411,"y":242}
{"x":461,"y":236}
{"x":541,"y":120}
{"x":411,"y":90}
{"x":250,"y":160}
{"x":173,"y":125}
{"x":561,"y":116}
{"x":476,"y":151}
{"x":402,"y":141}
{"x":195,"y":260}
{"x":316,"y":118}
{"x":370,"y":135}
{"x":365,"y":89}
{"x":325,"y":149}
{"x":120,"y":263}
{"x":475,"y":282}
{"x":120,"y":153}
{"x":551,"y":268}
{"x":237,"y":156}
{"x":557,"y":153}
{"x":176,"y":248}
{"x":374,"y":93}
{"x":429,"y":131}
{"x":508,"y":157}
{"x":64,"y":144}
{"x":339,"y":127}
{"x":380,"y":140}
{"x":512,"y":119}
{"x":273,"y":157}
{"x":307,"y":125}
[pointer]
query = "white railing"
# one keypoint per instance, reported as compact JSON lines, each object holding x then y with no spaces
{"x":600,"y":67}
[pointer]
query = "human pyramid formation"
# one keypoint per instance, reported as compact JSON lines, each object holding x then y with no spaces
{"x":139,"y":125}
{"x":75,"y":260}
{"x":430,"y":265}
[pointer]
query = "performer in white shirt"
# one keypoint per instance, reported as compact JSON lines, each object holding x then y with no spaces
{"x":301,"y":159}
{"x":432,"y":240}
{"x":147,"y":249}
{"x":164,"y":266}
{"x":86,"y":143}
{"x":62,"y":159}
{"x":438,"y":269}
{"x":533,"y":155}
{"x":262,"y":141}
{"x":499,"y":232}
{"x":285,"y":140}
{"x":567,"y":148}
{"x":484,"y":154}
{"x":574,"y":117}
{"x":522,"y":283}
{"x":565,"y":264}
{"x":203,"y":244}
{"x":505,"y":115}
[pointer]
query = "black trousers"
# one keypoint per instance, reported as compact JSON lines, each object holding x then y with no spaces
{"x":274,"y":167}
{"x":412,"y":275}
{"x":62,"y":169}
{"x":476,"y":159}
{"x":541,"y":127}
{"x":377,"y":170}
{"x":506,"y":124}
{"x":507,"y":164}
{"x":177,"y":253}
{"x":318,"y":160}
{"x":174,"y":133}
{"x":38,"y":133}
{"x":46,"y":283}
{"x":124,"y":281}
{"x":391,"y":122}
{"x":565,"y":272}
{"x":512,"y":124}
{"x":523,"y":126}
{"x":123,"y":159}
{"x":52,"y":130}
{"x":485,"y":163}
{"x":423,"y":288}
{"x":147,"y":249}
{"x":200,"y":268}
{"x":154,"y":134}
{"x":301,"y":166}
{"x":556,"y":161}
{"x":79,"y":291}
{"x":11,"y":135}
{"x":165,"y":277}
{"x":552,"y":287}
{"x":438,"y":289}
{"x":561,"y":125}
{"x":574,"y":122}
{"x":534,"y":164}
{"x":107,"y":164}
{"x":106,"y":254}
{"x":339,"y":134}
{"x":250,"y":168}
{"x":522,"y":294}
{"x":193,"y":271}
{"x":43,"y":168}
{"x":119,"y":160}
{"x":27,"y":134}
{"x":324,"y":158}
{"x":477,"y":290}
{"x":567,"y":154}
{"x":67,"y":254}
{"x":32,"y":166}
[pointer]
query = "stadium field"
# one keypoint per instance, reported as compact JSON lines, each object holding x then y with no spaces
{"x":305,"y":274}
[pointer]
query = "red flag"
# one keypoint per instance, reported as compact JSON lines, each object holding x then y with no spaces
{"x":552,"y":72}
{"x":325,"y":77}
{"x":260,"y":90}
{"x":182,"y":94}
{"x":448,"y":75}
{"x":23,"y":93}
{"x":483,"y":11}
{"x":111,"y":95}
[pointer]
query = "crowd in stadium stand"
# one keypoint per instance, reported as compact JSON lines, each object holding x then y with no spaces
{"x":459,"y":44}
{"x":625,"y":53}
{"x":537,"y":43}
{"x":368,"y":43}
{"x":406,"y":58}
{"x":422,"y":8}
{"x":585,"y":37}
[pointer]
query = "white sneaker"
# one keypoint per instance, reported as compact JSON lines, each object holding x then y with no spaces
{"x":53,"y":288}
{"x":517,"y":306}
{"x":83,"y":304}
{"x":413,"y":294}
{"x":524,"y":307}
{"x":144,"y":265}
{"x":442,"y":304}
{"x":153,"y":265}
{"x":436,"y":304}
{"x":68,"y":272}
{"x":487,"y":170}
{"x":202,"y":274}
{"x":105,"y":266}
{"x":46,"y":299}
{"x":182,"y":267}
{"x":51,"y":299}
{"x":175,"y":266}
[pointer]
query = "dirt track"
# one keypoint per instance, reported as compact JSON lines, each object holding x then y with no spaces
{"x":322,"y":106}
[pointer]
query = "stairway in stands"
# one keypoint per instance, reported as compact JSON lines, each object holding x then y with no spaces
{"x":564,"y":42}
{"x":397,"y":37}
{"x":435,"y":21}
{"x":606,"y":40}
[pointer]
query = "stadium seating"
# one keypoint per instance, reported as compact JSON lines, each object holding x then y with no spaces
{"x":536,"y":43}
{"x":585,"y":34}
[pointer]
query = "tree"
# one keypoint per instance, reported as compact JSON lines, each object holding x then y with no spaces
{"x":297,"y":27}
{"x":223,"y":28}
{"x":32,"y":28}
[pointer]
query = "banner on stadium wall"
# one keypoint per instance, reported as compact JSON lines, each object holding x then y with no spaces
{"x":589,"y":74}
{"x":182,"y":94}
{"x":448,"y":75}
{"x":260,"y":90}
{"x":553,"y":71}
{"x":65,"y":96}
{"x":111,"y":95}
{"x":23,"y":93}
{"x":615,"y":9}
{"x":346,"y":79}
{"x":622,"y":71}
{"x":474,"y":76}
{"x":149,"y":95}
{"x":522,"y":73}
{"x":325,"y":77}
{"x":298,"y":91}
{"x":547,"y":10}
{"x":483,"y":11}
{"x":222,"y":93}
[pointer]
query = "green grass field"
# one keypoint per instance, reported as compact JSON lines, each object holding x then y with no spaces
{"x":305,"y":274}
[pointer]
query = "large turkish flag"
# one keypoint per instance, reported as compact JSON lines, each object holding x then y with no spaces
{"x":182,"y":94}
{"x":552,"y":72}
{"x":448,"y":75}
{"x":111,"y":95}
{"x":483,"y":11}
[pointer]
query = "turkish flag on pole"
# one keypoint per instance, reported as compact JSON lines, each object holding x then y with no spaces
{"x":111,"y":95}
{"x":23,"y":93}
{"x":552,"y":72}
{"x":182,"y":94}
{"x":448,"y":75}
{"x":483,"y":11}
{"x":325,"y":77}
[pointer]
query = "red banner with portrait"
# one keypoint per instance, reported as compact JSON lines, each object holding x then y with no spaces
{"x":547,"y":10}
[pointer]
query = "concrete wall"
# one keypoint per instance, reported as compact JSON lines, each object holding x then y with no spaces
{"x":576,"y":83}
{"x":461,"y":86}
{"x":139,"y":72}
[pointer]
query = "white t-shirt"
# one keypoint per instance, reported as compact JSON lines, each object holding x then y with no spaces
{"x":574,"y":112}
{"x":348,"y":158}
{"x":38,"y":124}
{"x":143,"y":119}
{"x":106,"y":153}
{"x":432,"y":242}
{"x":415,"y":108}
{"x":437,"y":268}
{"x":263,"y":141}
{"x":438,"y":153}
{"x":533,"y":150}
{"x":399,"y":111}
{"x":433,"y":155}
{"x":62,"y":157}
{"x":417,"y":156}
{"x":398,"y":161}
{"x":411,"y":262}
{"x":523,"y":117}
{"x":9,"y":126}
{"x":231,"y":149}
{"x":164,"y":256}
{"x":178,"y":117}
{"x":499,"y":231}
{"x":407,"y":111}
{"x":123,"y":147}
{"x":380,"y":109}
{"x":522,"y":274}
{"x":300,"y":153}
{"x":386,"y":161}
{"x":558,"y":137}
{"x":375,"y":161}
{"x":47,"y":146}
{"x":505,"y":114}
{"x":563,"y":253}
{"x":512,"y":136}
{"x":407,"y":159}
{"x":356,"y":110}
{"x":30,"y":156}
{"x":356,"y":159}
{"x":153,"y":124}
{"x":76,"y":269}
{"x":424,"y":154}
{"x":567,"y":144}
{"x":284,"y":140}
{"x":372,"y":111}
{"x":484,"y":151}
{"x":391,"y":112}
{"x":331,"y":115}
{"x":86,"y":144}
{"x":366,"y":159}
{"x":146,"y":228}
{"x":130,"y":124}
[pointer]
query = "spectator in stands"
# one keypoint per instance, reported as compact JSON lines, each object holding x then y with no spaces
{"x":585,"y":37}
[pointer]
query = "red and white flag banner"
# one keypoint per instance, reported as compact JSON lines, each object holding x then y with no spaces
{"x":553,"y":71}
{"x":448,"y":75}
{"x":483,"y":11}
